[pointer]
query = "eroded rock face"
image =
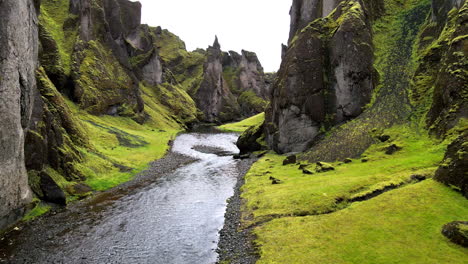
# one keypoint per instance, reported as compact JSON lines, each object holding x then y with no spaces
{"x":251,"y":75}
{"x":18,"y":62}
{"x":214,"y":98}
{"x":449,"y":63}
{"x":247,"y":81}
{"x":326,"y":77}
{"x":453,"y":170}
{"x":440,"y":9}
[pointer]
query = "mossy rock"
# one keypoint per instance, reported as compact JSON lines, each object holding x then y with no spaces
{"x":457,"y":232}
{"x":248,"y":141}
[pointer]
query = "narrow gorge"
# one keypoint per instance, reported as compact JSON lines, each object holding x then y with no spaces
{"x":121,"y":145}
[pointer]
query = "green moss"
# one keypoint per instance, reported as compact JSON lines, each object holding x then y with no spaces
{"x":302,"y":194}
{"x":374,"y":231}
{"x":244,"y":124}
{"x":39,"y":209}
{"x":57,"y":20}
{"x":137,"y":61}
{"x":109,"y":160}
{"x":249,"y":100}
{"x":183,"y":68}
{"x":231,"y":75}
{"x":102,"y":80}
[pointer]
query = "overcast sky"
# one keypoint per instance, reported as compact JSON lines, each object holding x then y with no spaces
{"x":255,"y":25}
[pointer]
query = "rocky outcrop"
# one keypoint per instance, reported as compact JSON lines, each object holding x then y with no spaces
{"x":326,"y":78}
{"x":457,"y":232}
{"x":18,"y":62}
{"x":453,"y":170}
{"x":247,"y":81}
{"x":445,"y":63}
{"x":214,"y":97}
{"x":53,"y":139}
{"x":251,"y":139}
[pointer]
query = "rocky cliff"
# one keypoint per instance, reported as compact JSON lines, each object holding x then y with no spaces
{"x":326,"y":76}
{"x":348,"y":76}
{"x":18,"y":53}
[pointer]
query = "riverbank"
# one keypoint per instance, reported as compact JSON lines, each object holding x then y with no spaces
{"x":28,"y":242}
{"x":236,"y":246}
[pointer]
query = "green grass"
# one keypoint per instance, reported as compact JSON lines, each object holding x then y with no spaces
{"x":402,"y":226}
{"x":244,"y":124}
{"x":302,"y":194}
{"x":38,"y":210}
{"x":120,"y":147}
{"x":312,"y":219}
{"x":107,"y":151}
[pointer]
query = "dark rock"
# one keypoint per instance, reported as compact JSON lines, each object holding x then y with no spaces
{"x":384,"y":138}
{"x":347,"y":161}
{"x":392,"y":149}
{"x":51,"y":191}
{"x":242,"y":156}
{"x":249,"y":140}
{"x":302,"y":166}
{"x":262,"y":154}
{"x":214,"y":97}
{"x":325,"y":78}
{"x":457,"y":232}
{"x":323,"y":167}
{"x":306,"y":171}
{"x":418,"y":178}
{"x":455,"y":164}
{"x":364,"y":160}
{"x":290,"y":160}
{"x":275,"y":180}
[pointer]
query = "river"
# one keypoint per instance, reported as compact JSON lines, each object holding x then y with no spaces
{"x":171,"y":216}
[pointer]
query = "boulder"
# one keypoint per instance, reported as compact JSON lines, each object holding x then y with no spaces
{"x":249,"y":141}
{"x":457,"y":232}
{"x":291,"y":159}
{"x":453,"y":171}
{"x":323,"y":167}
{"x":392,"y":149}
{"x":51,"y":191}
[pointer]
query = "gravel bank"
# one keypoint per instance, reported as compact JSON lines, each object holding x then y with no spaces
{"x":236,"y":247}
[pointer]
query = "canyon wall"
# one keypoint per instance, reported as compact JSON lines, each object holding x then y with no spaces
{"x":18,"y":62}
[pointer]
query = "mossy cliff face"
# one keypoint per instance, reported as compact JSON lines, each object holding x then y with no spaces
{"x":247,"y":81}
{"x":233,"y":85}
{"x":18,"y":54}
{"x":52,"y":145}
{"x":326,"y":77}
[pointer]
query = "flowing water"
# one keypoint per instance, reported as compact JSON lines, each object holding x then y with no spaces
{"x":175,"y":219}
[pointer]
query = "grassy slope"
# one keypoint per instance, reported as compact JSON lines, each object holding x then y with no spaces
{"x":318,"y":223}
{"x":402,"y":226}
{"x":244,"y":124}
{"x":144,"y":143}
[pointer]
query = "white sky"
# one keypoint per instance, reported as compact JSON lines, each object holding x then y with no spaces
{"x":254,"y":25}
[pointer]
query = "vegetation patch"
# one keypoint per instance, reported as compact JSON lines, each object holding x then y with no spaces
{"x":325,"y":192}
{"x":40,"y":209}
{"x":401,"y":226}
{"x":58,"y":21}
{"x":244,"y":124}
